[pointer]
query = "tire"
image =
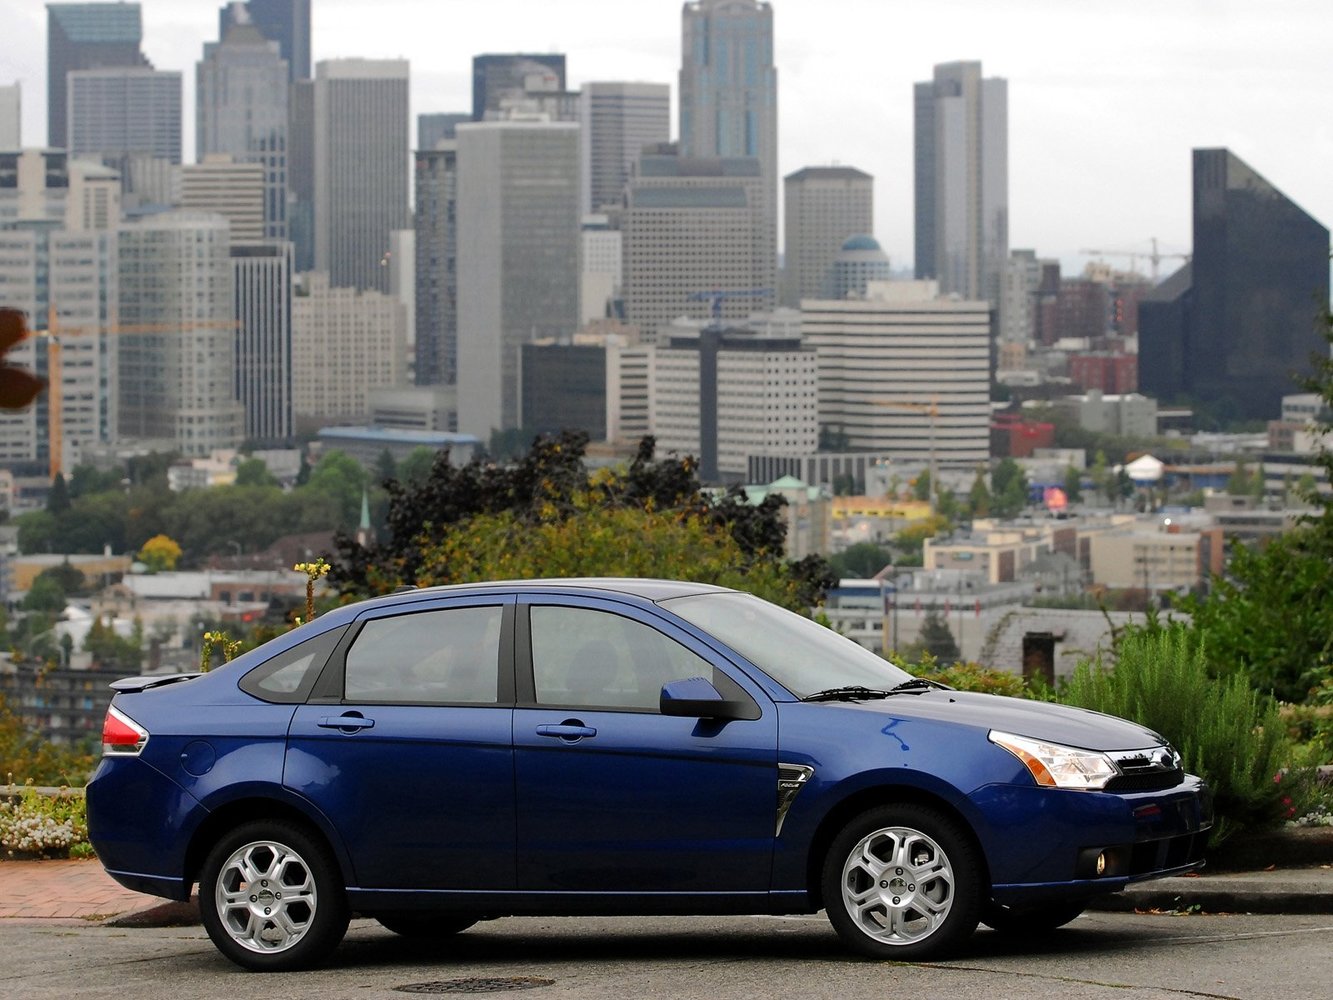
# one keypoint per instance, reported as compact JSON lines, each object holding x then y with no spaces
{"x":425,"y":925}
{"x":242,"y":887}
{"x":903,"y":882}
{"x":1044,"y":917}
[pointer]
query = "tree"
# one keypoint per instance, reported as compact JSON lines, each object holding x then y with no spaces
{"x":253,"y":472}
{"x":1073,"y":485}
{"x":860,"y":561}
{"x":160,"y":554}
{"x":921,"y":485}
{"x":57,"y":500}
{"x":936,"y":638}
{"x":1009,"y":486}
{"x":45,"y":595}
{"x":71,"y":580}
{"x":978,"y":498}
{"x":416,"y":466}
{"x":340,"y":476}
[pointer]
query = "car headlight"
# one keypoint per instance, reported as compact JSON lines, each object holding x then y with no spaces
{"x":1057,"y":766}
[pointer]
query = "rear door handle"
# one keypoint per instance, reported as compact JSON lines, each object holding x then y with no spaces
{"x":346,"y":723}
{"x":567,"y":732}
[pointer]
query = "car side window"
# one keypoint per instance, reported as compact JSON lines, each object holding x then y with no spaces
{"x":447,"y":656}
{"x":582,"y":657}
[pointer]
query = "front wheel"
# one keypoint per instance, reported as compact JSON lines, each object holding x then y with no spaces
{"x":902,"y":882}
{"x":271,"y":897}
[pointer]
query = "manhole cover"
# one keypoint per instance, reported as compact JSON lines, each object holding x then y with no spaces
{"x":498,"y":984}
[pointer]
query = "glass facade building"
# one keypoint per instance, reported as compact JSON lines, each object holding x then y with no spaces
{"x":86,"y":36}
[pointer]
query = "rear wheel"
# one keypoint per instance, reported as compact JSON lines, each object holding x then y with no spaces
{"x":425,"y":924}
{"x":902,"y":882}
{"x":1046,"y":917}
{"x":271,"y":897}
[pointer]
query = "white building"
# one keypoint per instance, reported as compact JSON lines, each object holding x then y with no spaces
{"x":824,"y":207}
{"x":518,"y":258}
{"x":344,"y":344}
{"x":602,"y":267}
{"x":905,"y":373}
{"x":262,"y":279}
{"x":229,"y":188}
{"x":1127,"y":414}
{"x":11,"y":116}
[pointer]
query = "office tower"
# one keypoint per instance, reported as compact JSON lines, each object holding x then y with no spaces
{"x":501,"y":77}
{"x":177,"y":382}
{"x":433,"y":128}
{"x":1233,"y":329}
{"x":437,"y":264}
{"x":691,"y":227}
{"x":361,"y":168}
{"x":119,"y":113}
{"x":241,"y":111}
{"x":602,"y":263}
{"x":1020,"y":286}
{"x":860,"y":261}
{"x":518,"y":257}
{"x":619,"y":120}
{"x":824,"y":206}
{"x":232,"y":190}
{"x":301,"y":172}
{"x":725,"y":394}
{"x":563,"y":386}
{"x":86,"y":36}
{"x":11,"y":116}
{"x":286,"y":22}
{"x":962,"y":180}
{"x":345,"y":343}
{"x":729,"y":90}
{"x":262,"y":284}
{"x":905,"y":372}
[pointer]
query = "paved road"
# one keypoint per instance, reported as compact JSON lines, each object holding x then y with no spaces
{"x":1101,"y":956}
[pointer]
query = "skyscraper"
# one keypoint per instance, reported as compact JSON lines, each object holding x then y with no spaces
{"x":518,"y":257}
{"x":437,"y":264}
{"x":119,"y":113}
{"x":693,"y":226}
{"x":962,"y":180}
{"x":619,"y":120}
{"x":86,"y":36}
{"x":241,"y":110}
{"x":1236,"y":326}
{"x":232,"y":190}
{"x":824,"y":206}
{"x":729,"y":89}
{"x":432,"y":128}
{"x":11,"y":116}
{"x":500,"y":76}
{"x":177,"y":382}
{"x":361,"y":165}
{"x":262,"y":285}
{"x":286,"y":22}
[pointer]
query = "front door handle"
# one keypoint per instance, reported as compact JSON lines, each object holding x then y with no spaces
{"x":346,"y":723}
{"x":567,"y":731}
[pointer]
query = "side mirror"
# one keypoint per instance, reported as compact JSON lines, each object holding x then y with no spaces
{"x":696,"y":698}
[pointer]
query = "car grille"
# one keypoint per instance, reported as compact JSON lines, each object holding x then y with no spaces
{"x":1165,"y":855}
{"x":1146,"y":770}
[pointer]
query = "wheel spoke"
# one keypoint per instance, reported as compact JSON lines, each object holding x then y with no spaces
{"x":254,"y":893}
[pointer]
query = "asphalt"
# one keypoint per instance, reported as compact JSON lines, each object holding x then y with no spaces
{"x":1287,"y":872}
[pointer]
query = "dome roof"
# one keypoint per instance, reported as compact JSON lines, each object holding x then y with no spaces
{"x":861,"y":242}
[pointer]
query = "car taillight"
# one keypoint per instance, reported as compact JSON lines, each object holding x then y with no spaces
{"x":121,"y":735}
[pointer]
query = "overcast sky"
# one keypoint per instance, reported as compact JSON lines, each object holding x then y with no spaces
{"x":1106,"y":100}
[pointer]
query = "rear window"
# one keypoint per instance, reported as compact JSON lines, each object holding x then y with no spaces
{"x":288,"y":677}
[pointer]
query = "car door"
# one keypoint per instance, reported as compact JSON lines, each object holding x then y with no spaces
{"x":612,"y":795}
{"x":405,"y":745}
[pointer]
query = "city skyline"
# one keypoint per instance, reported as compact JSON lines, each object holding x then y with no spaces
{"x":1103,"y":111}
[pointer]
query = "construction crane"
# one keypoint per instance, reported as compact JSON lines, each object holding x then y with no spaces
{"x":1155,"y":256}
{"x":55,"y":388}
{"x":716,"y":296}
{"x":931,"y":409}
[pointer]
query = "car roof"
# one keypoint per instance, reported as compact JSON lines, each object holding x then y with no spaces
{"x":640,"y":587}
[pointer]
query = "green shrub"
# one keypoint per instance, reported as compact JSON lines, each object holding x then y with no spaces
{"x":1226,"y":732}
{"x":30,"y":758}
{"x":37,"y":825}
{"x":969,"y":677}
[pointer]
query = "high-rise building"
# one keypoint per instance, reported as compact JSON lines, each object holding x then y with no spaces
{"x":436,"y":343}
{"x":286,"y":22}
{"x":118,"y":113}
{"x":824,"y":206}
{"x":962,"y":180}
{"x":518,"y":257}
{"x":361,"y":164}
{"x":11,"y":116}
{"x":692,"y":227}
{"x":177,"y":383}
{"x":1020,"y":285}
{"x":860,"y":261}
{"x":433,"y":128}
{"x":86,"y":36}
{"x":345,"y":343}
{"x":301,"y":172}
{"x":619,"y":120}
{"x":262,"y":282}
{"x":233,"y":190}
{"x":501,"y":77}
{"x":1234,"y":328}
{"x":241,"y":110}
{"x":726,"y":394}
{"x":57,"y":253}
{"x":729,"y":89}
{"x":602,"y":262}
{"x":904,"y":372}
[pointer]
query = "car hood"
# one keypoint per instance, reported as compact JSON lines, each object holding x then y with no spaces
{"x":1039,"y":720}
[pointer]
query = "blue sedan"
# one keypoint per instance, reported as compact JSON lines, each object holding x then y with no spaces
{"x":446,"y":755}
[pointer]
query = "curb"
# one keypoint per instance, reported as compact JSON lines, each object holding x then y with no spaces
{"x":1223,"y":896}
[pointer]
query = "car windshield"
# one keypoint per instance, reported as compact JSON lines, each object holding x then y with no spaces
{"x":801,"y":655}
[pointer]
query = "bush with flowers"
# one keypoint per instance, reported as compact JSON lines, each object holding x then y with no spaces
{"x":38,"y":825}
